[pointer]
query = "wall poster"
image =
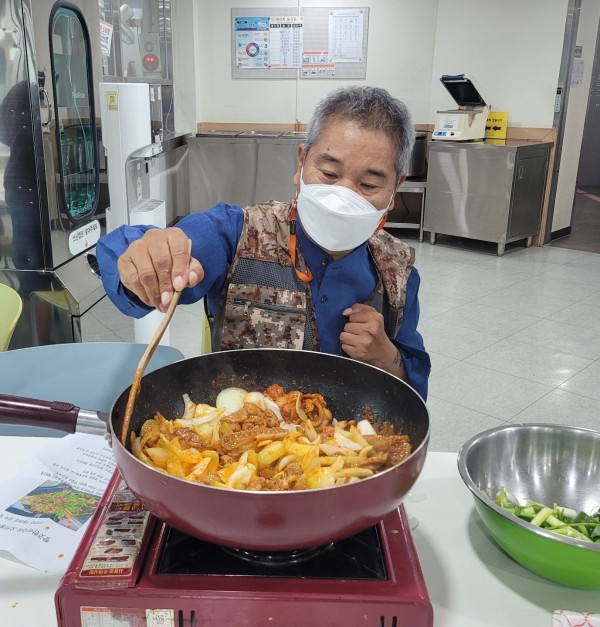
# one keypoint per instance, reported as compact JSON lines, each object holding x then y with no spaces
{"x":272,"y":42}
{"x":321,"y":42}
{"x":346,"y":29}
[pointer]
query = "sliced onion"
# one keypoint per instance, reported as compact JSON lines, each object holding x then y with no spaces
{"x":284,"y":461}
{"x":202,"y":409}
{"x":273,"y":406}
{"x":345,"y":442}
{"x":231,"y":399}
{"x":311,"y":433}
{"x":202,"y":420}
{"x":256,"y":398}
{"x":188,"y":406}
{"x":365,"y":427}
{"x":299,"y":409}
{"x":330,"y":449}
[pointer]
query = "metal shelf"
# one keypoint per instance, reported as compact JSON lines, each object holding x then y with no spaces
{"x":417,"y":186}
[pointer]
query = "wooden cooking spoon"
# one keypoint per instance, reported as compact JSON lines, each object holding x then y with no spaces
{"x":139,"y":373}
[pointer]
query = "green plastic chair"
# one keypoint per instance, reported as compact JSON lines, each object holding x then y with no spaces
{"x":11,"y":307}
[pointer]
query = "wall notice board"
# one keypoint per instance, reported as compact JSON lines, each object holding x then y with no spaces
{"x":312,"y":43}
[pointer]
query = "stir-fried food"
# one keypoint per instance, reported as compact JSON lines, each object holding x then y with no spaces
{"x":266,"y":441}
{"x":64,"y":504}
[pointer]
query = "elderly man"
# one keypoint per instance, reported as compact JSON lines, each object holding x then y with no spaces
{"x":315,"y":273}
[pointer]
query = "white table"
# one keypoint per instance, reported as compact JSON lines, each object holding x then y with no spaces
{"x":470,"y":581}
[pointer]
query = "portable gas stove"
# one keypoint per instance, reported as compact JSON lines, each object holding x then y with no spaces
{"x":132,"y":570}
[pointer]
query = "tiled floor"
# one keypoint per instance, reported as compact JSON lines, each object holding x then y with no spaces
{"x":512,"y":339}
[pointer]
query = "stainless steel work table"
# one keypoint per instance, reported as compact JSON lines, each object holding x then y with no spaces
{"x":491,"y":191}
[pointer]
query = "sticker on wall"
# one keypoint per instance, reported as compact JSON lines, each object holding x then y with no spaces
{"x":106,"y":32}
{"x":112,"y":100}
{"x":84,"y":237}
{"x":139,"y":193}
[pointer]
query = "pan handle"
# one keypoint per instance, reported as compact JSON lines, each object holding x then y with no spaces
{"x":17,"y":410}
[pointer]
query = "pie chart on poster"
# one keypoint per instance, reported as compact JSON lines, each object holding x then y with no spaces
{"x":252,"y":49}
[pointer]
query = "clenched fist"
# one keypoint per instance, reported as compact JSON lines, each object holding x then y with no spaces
{"x":364,"y":339}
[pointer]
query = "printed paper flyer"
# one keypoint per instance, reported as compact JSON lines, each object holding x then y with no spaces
{"x":44,"y":511}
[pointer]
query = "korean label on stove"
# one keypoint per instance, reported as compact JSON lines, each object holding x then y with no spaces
{"x":160,"y":618}
{"x":118,"y":541}
{"x":126,"y":617}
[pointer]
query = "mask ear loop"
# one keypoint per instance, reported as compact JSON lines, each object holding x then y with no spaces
{"x":382,"y":221}
{"x":308,"y":277}
{"x":385,"y":215}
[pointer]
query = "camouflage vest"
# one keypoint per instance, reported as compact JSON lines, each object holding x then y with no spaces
{"x":265,"y":305}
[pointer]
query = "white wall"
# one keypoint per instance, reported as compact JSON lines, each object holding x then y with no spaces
{"x":400,"y":62}
{"x":399,"y":56}
{"x":222,"y":99}
{"x":512,"y":49}
{"x":185,"y":26}
{"x":577,"y":106}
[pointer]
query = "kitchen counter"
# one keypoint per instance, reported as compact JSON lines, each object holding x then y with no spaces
{"x":471,"y":582}
{"x":490,"y":144}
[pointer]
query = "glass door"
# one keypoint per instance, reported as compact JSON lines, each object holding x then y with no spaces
{"x":75,"y":115}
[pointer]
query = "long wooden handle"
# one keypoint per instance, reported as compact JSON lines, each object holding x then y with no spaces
{"x":139,"y":373}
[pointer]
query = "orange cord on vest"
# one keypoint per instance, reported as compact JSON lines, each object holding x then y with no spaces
{"x":308,"y":277}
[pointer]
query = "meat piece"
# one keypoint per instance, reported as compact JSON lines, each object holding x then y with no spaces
{"x":373,"y":462}
{"x":252,"y":409}
{"x":251,"y":415}
{"x":298,"y":483}
{"x":397,"y":447}
{"x":399,"y":450}
{"x":293,"y":469}
{"x":189,"y":438}
{"x":234,"y":444}
{"x":274,"y":391}
{"x":257,"y":484}
{"x":278,"y":482}
{"x":327,"y":432}
{"x":314,"y":406}
{"x":263,"y":418}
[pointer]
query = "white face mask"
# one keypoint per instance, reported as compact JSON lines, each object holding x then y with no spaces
{"x":335,"y":217}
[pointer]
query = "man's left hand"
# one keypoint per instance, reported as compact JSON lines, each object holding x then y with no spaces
{"x":364,"y":339}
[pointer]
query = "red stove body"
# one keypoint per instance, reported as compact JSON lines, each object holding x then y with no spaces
{"x":131,"y":570}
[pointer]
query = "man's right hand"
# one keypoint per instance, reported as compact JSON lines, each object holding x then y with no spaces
{"x":157,"y":264}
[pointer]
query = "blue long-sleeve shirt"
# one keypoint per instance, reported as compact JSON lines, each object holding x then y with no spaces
{"x":336,"y":285}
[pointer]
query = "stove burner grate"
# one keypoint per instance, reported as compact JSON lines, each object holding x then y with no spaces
{"x":358,"y":557}
{"x":276,"y":558}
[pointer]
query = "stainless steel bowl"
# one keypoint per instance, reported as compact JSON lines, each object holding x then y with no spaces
{"x":545,"y":463}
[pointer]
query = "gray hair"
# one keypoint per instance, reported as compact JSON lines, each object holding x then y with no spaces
{"x":369,"y":107}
